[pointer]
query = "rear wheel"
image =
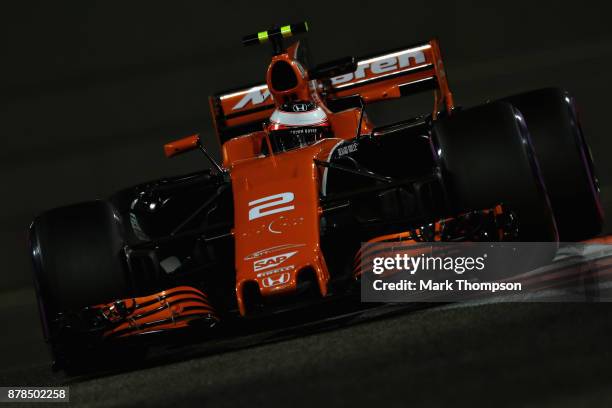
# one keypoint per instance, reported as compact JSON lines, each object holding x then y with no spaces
{"x":486,"y":158}
{"x":565,"y":161}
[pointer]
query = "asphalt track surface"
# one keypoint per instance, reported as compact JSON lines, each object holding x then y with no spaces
{"x":480,"y":355}
{"x":502,"y":354}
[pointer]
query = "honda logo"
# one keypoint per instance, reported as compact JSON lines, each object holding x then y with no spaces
{"x":300,"y":107}
{"x":271,"y":281}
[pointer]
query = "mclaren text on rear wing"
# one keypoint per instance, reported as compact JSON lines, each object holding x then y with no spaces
{"x":387,"y":76}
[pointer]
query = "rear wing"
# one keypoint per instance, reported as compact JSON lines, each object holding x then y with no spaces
{"x":390,"y":75}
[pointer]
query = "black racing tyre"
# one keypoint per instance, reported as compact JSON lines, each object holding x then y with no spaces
{"x":76,"y":251}
{"x":565,"y":161}
{"x":485,"y":158}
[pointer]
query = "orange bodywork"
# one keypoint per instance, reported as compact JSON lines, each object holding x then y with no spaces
{"x":182,"y":145}
{"x":379,"y":78}
{"x":276,"y":218}
{"x":167,"y":310}
{"x":276,"y":196}
{"x":382,"y":77}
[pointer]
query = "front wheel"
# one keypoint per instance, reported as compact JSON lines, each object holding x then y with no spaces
{"x":76,"y":251}
{"x":486,"y":158}
{"x":565,"y":161}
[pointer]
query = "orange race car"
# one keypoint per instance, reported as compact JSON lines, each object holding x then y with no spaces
{"x":305,"y":178}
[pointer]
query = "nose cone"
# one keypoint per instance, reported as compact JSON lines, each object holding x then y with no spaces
{"x":277,"y":223}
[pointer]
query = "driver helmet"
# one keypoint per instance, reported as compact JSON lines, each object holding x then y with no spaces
{"x":297,"y":124}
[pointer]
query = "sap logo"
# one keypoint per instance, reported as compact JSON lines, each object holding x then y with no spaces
{"x":261,"y":206}
{"x":381,"y":65}
{"x":276,"y":281}
{"x":271,"y":262}
{"x":256,"y":96}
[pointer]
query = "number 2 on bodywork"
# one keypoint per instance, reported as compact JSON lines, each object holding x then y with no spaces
{"x":260,"y":206}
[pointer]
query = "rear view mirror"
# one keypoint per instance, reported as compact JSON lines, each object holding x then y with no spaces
{"x":183,"y":145}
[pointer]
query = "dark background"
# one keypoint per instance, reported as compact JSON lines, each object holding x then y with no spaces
{"x":89,"y":93}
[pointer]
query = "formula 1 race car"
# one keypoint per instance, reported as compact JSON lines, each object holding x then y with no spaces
{"x":305,"y":179}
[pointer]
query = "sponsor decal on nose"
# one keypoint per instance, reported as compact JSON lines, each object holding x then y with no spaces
{"x":271,"y":262}
{"x":272,"y":281}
